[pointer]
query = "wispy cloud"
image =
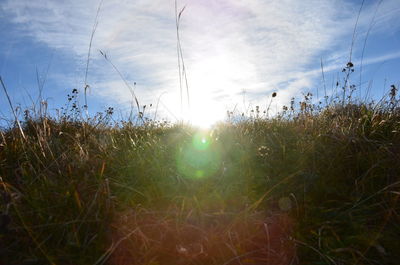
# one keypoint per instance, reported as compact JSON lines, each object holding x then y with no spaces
{"x":229,"y":46}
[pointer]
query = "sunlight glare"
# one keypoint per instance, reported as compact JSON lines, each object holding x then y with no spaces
{"x":210,"y":78}
{"x":205,"y":119}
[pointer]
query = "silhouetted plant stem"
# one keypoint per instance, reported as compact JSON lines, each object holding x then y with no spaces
{"x":12,"y":108}
{"x":96,"y":22}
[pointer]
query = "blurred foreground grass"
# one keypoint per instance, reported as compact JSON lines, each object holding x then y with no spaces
{"x":312,"y":188}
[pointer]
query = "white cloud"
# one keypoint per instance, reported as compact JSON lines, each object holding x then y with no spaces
{"x":229,"y":45}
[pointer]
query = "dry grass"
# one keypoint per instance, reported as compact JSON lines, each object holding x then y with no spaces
{"x":313,"y":186}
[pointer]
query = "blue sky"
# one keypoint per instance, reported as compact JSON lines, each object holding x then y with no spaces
{"x":236,"y":52}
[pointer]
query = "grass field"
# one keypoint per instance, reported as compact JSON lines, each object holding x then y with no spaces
{"x":309,"y":186}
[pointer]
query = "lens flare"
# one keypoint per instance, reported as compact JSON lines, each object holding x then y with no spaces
{"x":200,"y":158}
{"x":201,"y":141}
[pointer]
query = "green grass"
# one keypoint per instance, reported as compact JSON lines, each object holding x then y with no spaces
{"x":312,"y":187}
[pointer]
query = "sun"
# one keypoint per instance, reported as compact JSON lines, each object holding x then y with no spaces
{"x":209,"y":79}
{"x":205,"y":113}
{"x":213,"y":85}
